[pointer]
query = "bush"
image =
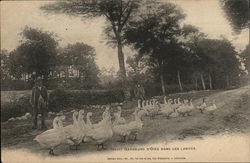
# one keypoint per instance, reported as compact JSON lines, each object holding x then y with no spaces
{"x":61,"y":99}
{"x":15,"y":108}
{"x":7,"y":85}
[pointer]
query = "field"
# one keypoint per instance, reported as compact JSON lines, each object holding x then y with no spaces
{"x":7,"y":96}
{"x":232,"y":115}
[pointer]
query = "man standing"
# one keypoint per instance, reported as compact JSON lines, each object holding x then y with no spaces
{"x":39,"y":102}
{"x":139,"y":92}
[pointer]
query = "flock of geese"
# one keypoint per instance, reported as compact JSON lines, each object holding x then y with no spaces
{"x":81,"y":131}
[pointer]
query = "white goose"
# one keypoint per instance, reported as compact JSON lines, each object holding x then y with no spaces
{"x":88,"y":121}
{"x":104,"y":114}
{"x":166,"y":108}
{"x":82,"y":124}
{"x":154,"y":108}
{"x":190,"y":107}
{"x":74,"y":131}
{"x":165,"y":102}
{"x":88,"y":127}
{"x":183,"y":107}
{"x":211,"y":109}
{"x":103,"y":133}
{"x":52,"y":138}
{"x":118,"y":119}
{"x":131,"y":128}
{"x":175,"y":104}
{"x":202,"y":106}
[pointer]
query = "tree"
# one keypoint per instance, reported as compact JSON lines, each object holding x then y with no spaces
{"x":108,"y":78}
{"x":80,"y":57}
{"x":116,"y":12}
{"x":221,"y":61}
{"x":4,"y":64}
{"x":36,"y":54}
{"x":191,"y":37}
{"x":245,"y":54}
{"x":154,"y":33}
{"x":237,"y":12}
{"x":139,"y":70}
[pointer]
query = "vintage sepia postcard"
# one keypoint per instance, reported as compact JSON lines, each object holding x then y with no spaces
{"x":125,"y":81}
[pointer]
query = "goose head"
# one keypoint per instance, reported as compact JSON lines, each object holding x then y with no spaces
{"x":107,"y":108}
{"x":155,"y":101}
{"x":150,"y":102}
{"x":169,"y":101}
{"x":75,"y":114}
{"x":74,"y":117}
{"x":175,"y":101}
{"x":89,"y":114}
{"x":106,"y":112}
{"x":80,"y":115}
{"x":178,"y":100}
{"x":143,"y":103}
{"x":62,"y":118}
{"x":81,"y":112}
{"x":119,"y":109}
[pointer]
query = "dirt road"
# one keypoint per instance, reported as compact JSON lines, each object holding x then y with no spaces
{"x":232,"y":116}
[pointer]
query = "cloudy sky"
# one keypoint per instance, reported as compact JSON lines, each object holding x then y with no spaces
{"x":15,"y":15}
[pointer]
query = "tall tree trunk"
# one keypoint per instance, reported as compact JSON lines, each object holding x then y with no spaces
{"x":210,"y":80}
{"x":179,"y":80}
{"x":122,"y":69}
{"x":162,"y":85}
{"x":227,"y":80}
{"x":196,"y":83}
{"x":162,"y":79}
{"x":203,"y":82}
{"x":121,"y":61}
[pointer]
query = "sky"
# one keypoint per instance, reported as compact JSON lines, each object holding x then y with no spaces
{"x":15,"y":15}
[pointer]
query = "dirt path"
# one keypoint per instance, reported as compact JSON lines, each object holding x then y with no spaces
{"x":232,"y":115}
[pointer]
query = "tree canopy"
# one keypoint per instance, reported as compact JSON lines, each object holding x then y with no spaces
{"x":116,"y":12}
{"x":245,"y":54}
{"x":154,"y":32}
{"x":36,"y":54}
{"x":237,"y":12}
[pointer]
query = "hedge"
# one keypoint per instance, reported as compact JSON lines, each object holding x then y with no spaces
{"x":61,"y":100}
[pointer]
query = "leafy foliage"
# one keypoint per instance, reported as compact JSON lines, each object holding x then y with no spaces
{"x":116,"y":12}
{"x":246,"y":58}
{"x":60,"y":99}
{"x":36,"y":54}
{"x":79,"y":57}
{"x":237,"y":12}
